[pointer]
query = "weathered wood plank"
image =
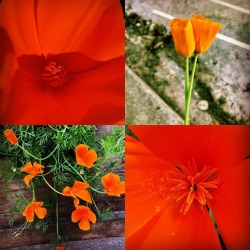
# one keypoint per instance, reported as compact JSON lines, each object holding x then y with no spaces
{"x":112,"y":243}
{"x":68,"y":230}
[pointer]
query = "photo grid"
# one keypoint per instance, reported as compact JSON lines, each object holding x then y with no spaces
{"x":124,"y":124}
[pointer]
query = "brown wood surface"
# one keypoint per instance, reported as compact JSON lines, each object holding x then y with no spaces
{"x":70,"y":231}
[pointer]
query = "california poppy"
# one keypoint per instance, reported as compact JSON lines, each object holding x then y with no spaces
{"x":10,"y":135}
{"x":84,"y":157}
{"x":84,"y":214}
{"x":182,"y":32}
{"x":32,"y":171}
{"x":34,"y":207}
{"x":62,"y":62}
{"x":112,"y":184}
{"x":205,"y":31}
{"x":176,"y":176}
{"x":79,"y":189}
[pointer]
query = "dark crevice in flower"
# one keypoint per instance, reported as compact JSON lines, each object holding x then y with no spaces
{"x":188,"y":185}
{"x":223,"y":245}
{"x":35,"y":14}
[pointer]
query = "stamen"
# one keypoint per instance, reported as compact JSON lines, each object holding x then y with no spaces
{"x":189,"y":186}
{"x":54,"y":75}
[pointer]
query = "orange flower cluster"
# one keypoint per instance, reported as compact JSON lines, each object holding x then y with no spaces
{"x":84,"y":157}
{"x":195,"y":35}
{"x":111,"y":183}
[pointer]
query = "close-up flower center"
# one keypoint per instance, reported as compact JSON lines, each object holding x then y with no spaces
{"x":54,"y":75}
{"x":188,"y":185}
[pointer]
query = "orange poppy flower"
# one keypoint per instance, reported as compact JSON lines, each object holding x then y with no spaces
{"x":79,"y":189}
{"x":176,"y":176}
{"x":84,"y":214}
{"x":34,"y":207}
{"x":84,"y":157}
{"x":182,"y":32}
{"x":205,"y":31}
{"x":112,"y":184}
{"x":11,"y":137}
{"x":32,"y":171}
{"x":62,"y":62}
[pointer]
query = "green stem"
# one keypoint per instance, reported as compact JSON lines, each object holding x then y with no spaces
{"x":97,"y":210}
{"x":186,"y":81}
{"x":33,"y":193}
{"x":189,"y":94}
{"x":57,"y":220}
{"x":50,"y":185}
{"x":39,"y":159}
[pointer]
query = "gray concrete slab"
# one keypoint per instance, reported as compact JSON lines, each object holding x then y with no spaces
{"x":144,"y":105}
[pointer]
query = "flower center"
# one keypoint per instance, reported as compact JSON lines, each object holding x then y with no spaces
{"x":54,"y":75}
{"x":189,"y":186}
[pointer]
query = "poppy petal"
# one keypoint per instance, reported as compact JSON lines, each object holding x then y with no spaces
{"x":18,"y":19}
{"x":165,"y":231}
{"x":8,"y":67}
{"x":36,"y":204}
{"x":179,"y":144}
{"x":135,"y":147}
{"x":27,"y":179}
{"x":110,"y":179}
{"x":27,"y":168}
{"x":66,"y":191}
{"x":41,"y":212}
{"x":231,"y":206}
{"x":120,"y":189}
{"x":90,"y":158}
{"x":92,"y":217}
{"x":76,"y":215}
{"x":30,"y":215}
{"x":80,"y":185}
{"x":84,"y":224}
{"x":86,"y":22}
{"x":84,"y":195}
{"x":76,"y":201}
{"x":145,"y":179}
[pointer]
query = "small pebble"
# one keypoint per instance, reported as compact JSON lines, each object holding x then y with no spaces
{"x":203,"y":105}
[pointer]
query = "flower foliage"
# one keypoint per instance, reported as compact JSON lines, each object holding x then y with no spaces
{"x":186,"y":187}
{"x":55,"y":151}
{"x":61,"y":63}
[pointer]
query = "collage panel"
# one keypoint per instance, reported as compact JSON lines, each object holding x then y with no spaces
{"x":62,"y":62}
{"x":62,"y":187}
{"x":187,"y":187}
{"x":187,"y":62}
